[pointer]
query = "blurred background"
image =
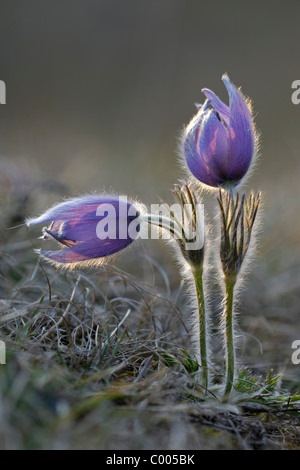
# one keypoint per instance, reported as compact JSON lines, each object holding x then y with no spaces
{"x":98,"y":92}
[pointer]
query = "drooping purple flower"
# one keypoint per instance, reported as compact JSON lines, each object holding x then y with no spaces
{"x":219,"y":142}
{"x":89,"y":228}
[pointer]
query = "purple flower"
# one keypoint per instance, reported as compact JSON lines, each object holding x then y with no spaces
{"x":219,"y":142}
{"x":89,"y":228}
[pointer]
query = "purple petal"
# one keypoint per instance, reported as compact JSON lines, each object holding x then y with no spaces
{"x":207,"y":152}
{"x":74,"y":209}
{"x":213,"y":145}
{"x":218,"y":105}
{"x":86,"y":251}
{"x":241,"y":132}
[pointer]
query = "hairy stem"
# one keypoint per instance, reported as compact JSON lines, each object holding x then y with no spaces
{"x":198,"y":278}
{"x":229,"y":335}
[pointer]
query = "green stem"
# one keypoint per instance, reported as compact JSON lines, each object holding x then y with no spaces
{"x":198,"y":277}
{"x":229,"y":335}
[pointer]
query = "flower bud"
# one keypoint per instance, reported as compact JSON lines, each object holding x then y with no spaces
{"x":89,"y":229}
{"x":219,"y":142}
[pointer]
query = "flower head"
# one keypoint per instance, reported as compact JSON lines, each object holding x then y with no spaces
{"x":219,"y":142}
{"x":89,"y":228}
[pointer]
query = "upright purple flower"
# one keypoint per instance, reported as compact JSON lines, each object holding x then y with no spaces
{"x":219,"y":142}
{"x":89,"y":228}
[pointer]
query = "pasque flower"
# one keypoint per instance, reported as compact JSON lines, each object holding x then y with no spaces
{"x":219,"y":142}
{"x":89,"y":228}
